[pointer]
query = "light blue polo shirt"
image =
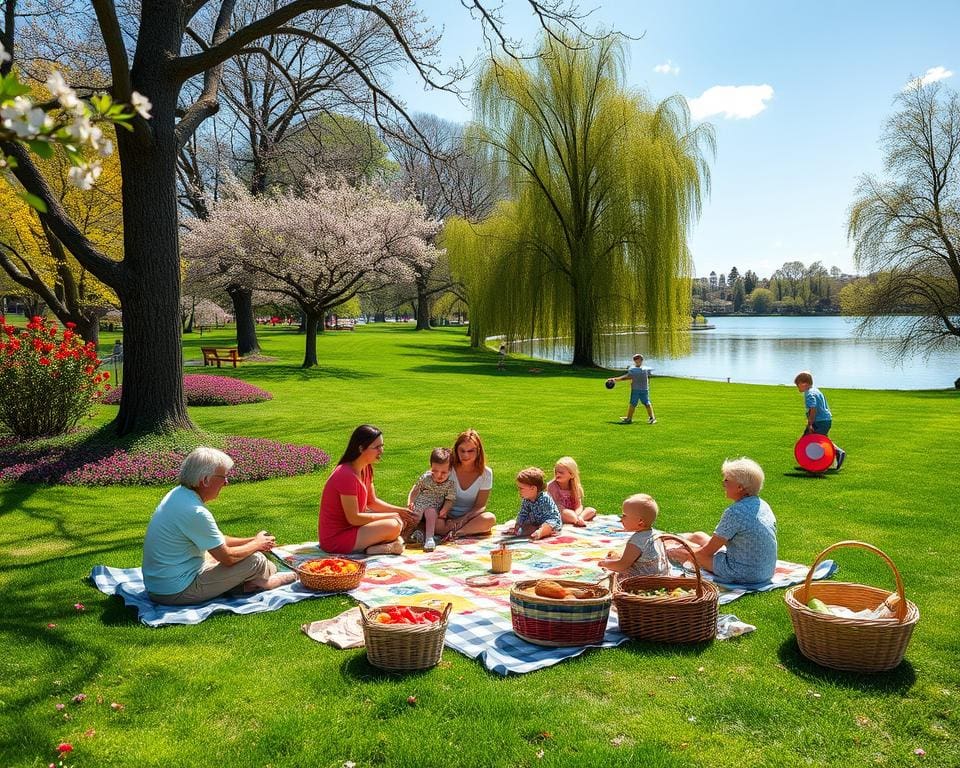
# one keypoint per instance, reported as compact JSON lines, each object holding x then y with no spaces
{"x":813,"y":398}
{"x":178,"y":535}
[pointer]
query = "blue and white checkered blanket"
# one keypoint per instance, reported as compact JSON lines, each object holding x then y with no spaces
{"x":489,"y":637}
{"x":127,"y":584}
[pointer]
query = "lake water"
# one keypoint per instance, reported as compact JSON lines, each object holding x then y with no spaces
{"x":771,"y":350}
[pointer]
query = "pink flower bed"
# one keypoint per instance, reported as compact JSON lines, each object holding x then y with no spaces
{"x":255,"y":459}
{"x":201,"y":389}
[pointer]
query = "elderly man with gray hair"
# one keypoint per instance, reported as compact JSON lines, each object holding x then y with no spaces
{"x":186,"y":559}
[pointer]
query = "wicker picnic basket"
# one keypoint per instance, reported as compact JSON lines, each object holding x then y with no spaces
{"x":553,"y":622}
{"x":403,"y":647}
{"x":667,"y":619}
{"x":851,"y":643}
{"x":337,"y":582}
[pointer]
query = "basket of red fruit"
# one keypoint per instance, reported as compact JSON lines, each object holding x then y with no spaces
{"x":404,"y":637}
{"x":331,"y":574}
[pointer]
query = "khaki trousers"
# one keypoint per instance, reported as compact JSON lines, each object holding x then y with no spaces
{"x":215,"y":578}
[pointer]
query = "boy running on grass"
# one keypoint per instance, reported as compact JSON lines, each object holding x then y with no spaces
{"x":819,"y":418}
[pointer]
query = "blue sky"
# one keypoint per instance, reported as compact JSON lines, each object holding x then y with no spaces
{"x":805,"y":91}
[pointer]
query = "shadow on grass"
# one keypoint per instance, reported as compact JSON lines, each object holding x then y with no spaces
{"x":897,"y":680}
{"x":116,"y":613}
{"x":665,"y":650}
{"x":357,"y":668}
{"x":14,"y":498}
{"x":804,"y":475}
{"x":291,"y":373}
{"x":534,"y":369}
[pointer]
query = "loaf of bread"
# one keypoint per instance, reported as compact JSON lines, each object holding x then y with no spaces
{"x":548,"y":588}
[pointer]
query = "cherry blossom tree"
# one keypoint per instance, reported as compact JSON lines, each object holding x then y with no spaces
{"x":319,"y":250}
{"x":158,"y":49}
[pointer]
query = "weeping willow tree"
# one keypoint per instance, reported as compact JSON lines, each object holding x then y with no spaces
{"x":603,"y":188}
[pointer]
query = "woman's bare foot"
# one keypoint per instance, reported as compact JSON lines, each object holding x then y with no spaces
{"x":589,"y":514}
{"x":394,"y":547}
{"x":580,"y":522}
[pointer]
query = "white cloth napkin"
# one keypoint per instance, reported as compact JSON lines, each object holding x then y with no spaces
{"x":343,"y":631}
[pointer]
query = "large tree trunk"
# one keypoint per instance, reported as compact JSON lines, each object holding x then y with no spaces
{"x":310,"y":351}
{"x":149,"y":288}
{"x":242,"y":298}
{"x":583,"y":330}
{"x":88,"y":328}
{"x":423,"y":305}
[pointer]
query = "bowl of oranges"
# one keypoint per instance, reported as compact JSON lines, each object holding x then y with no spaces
{"x":331,"y":574}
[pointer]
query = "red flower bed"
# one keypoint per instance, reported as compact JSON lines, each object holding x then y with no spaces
{"x":201,"y":389}
{"x":255,"y":459}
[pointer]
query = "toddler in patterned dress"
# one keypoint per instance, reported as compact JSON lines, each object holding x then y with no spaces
{"x":431,"y":497}
{"x":644,"y":555}
{"x":538,"y":516}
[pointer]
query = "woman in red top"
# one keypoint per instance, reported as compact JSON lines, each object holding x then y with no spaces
{"x":346,"y":523}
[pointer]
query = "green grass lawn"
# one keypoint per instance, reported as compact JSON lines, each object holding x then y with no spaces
{"x":254,"y":691}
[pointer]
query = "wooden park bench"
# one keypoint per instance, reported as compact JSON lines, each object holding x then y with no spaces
{"x":219,"y":355}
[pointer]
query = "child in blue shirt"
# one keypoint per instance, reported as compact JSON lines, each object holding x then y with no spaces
{"x":639,"y":377}
{"x":538,"y":516}
{"x":819,"y":418}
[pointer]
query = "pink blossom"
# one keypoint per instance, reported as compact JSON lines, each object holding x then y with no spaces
{"x":255,"y":459}
{"x":203,"y":389}
{"x":79,"y":698}
{"x":79,"y":607}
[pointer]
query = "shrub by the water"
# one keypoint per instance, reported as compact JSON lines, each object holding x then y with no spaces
{"x":201,"y":389}
{"x":48,"y":380}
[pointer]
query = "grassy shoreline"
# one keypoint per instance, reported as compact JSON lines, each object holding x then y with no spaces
{"x":255,"y":691}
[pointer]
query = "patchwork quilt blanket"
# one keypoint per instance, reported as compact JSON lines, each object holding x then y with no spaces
{"x":458,"y":573}
{"x":480,"y":626}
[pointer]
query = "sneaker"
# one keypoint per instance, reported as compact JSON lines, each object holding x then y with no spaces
{"x":625,"y":420}
{"x":429,"y":545}
{"x":416,"y":537}
{"x":651,"y":420}
{"x":841,"y":455}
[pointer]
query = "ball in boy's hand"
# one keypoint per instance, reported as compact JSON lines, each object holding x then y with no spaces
{"x":609,"y":383}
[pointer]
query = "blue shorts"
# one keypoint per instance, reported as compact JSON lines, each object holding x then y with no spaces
{"x":728,"y":574}
{"x":822,"y":427}
{"x":639,"y":396}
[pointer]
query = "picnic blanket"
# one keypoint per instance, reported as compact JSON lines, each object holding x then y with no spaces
{"x":127,"y":584}
{"x":480,"y":625}
{"x":459,"y":573}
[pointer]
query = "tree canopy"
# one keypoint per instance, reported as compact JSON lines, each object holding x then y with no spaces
{"x":319,"y":250}
{"x":604,"y":185}
{"x":173,"y":52}
{"x":906,"y":227}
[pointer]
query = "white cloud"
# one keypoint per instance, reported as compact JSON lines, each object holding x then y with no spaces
{"x":930,"y":76}
{"x":732,"y":101}
{"x":667,"y":69}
